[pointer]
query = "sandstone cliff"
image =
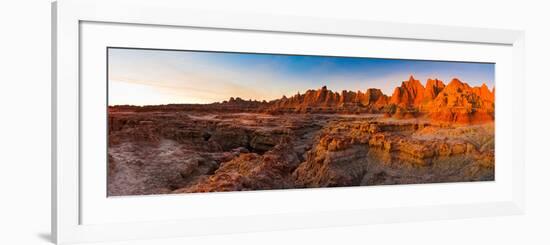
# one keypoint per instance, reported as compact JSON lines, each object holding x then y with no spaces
{"x":409,"y":94}
{"x":458,"y":102}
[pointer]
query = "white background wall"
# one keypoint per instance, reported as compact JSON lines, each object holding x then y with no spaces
{"x":25,"y":122}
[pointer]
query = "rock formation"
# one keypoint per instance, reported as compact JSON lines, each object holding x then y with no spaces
{"x":251,"y":171}
{"x":324,"y":100}
{"x":433,"y":88}
{"x":370,"y":153}
{"x":318,"y":138}
{"x":460,"y":103}
{"x":409,"y":95}
{"x":456,"y":102}
{"x":155,"y":152}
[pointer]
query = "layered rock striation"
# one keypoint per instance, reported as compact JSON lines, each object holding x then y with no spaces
{"x":358,"y":153}
{"x":324,"y":100}
{"x":428,"y":133}
{"x":183,"y":152}
{"x":456,"y":102}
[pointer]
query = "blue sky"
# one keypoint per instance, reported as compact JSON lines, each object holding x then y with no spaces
{"x":140,"y":76}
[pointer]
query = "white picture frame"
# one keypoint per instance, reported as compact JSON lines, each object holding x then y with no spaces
{"x":67,"y":195}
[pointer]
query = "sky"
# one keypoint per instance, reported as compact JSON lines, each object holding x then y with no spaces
{"x":153,"y":77}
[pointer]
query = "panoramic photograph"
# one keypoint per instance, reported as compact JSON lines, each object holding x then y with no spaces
{"x":206,"y":121}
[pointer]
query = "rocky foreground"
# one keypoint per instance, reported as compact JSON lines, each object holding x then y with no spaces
{"x":170,"y":151}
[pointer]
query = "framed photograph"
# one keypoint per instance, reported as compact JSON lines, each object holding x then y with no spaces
{"x":173,"y":122}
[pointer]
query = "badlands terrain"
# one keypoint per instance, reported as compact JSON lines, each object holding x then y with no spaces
{"x":428,"y":133}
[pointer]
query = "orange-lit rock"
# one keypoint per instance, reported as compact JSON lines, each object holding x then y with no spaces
{"x":456,"y":102}
{"x":460,"y":103}
{"x":433,"y":88}
{"x":409,"y":94}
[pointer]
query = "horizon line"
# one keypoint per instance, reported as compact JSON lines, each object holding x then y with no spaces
{"x":299,"y":92}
